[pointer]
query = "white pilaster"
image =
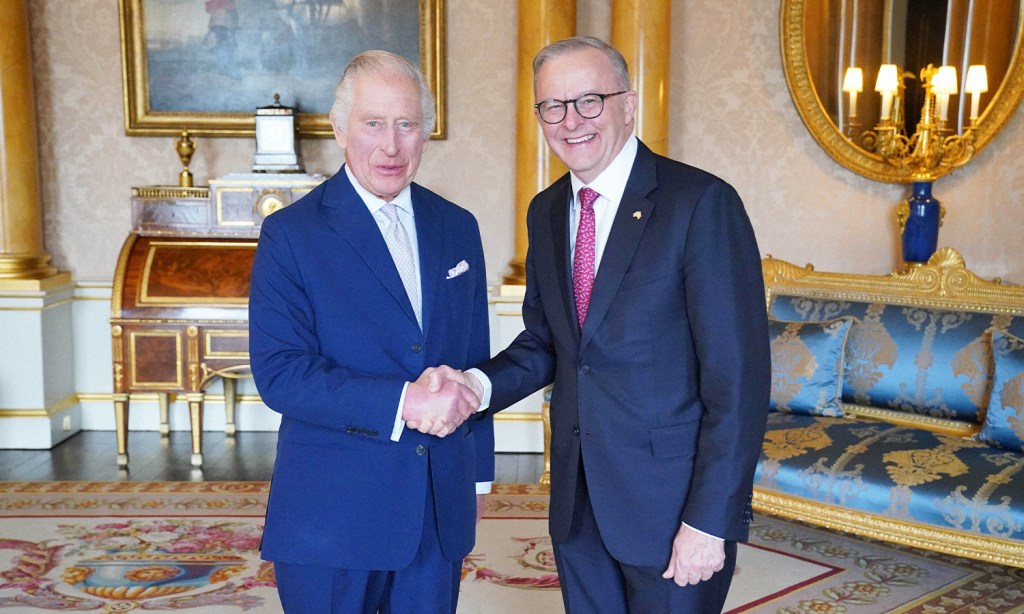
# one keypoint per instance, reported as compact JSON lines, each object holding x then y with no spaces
{"x":38,"y":404}
{"x":519,"y":428}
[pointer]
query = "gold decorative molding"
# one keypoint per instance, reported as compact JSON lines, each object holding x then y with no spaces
{"x":943,"y":282}
{"x":211,"y":337}
{"x":153,"y":397}
{"x":133,"y":337}
{"x":36,"y":308}
{"x":42,"y":412}
{"x":229,"y":373}
{"x":945,"y":426}
{"x":518,"y":416}
{"x":957,"y":543}
{"x":170,"y":192}
{"x":27,"y":267}
{"x":117,"y":291}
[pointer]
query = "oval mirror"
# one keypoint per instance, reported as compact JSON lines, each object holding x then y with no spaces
{"x":822,"y":39}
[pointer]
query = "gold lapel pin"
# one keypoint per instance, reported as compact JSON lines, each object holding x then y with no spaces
{"x":637,"y":215}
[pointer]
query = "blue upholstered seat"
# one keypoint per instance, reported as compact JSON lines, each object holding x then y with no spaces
{"x":902,"y":473}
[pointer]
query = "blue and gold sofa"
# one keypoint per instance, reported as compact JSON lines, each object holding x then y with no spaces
{"x":898,"y":406}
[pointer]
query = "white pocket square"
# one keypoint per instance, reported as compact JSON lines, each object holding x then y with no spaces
{"x":458,"y":269}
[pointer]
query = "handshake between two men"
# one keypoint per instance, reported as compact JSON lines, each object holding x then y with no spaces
{"x":441,"y":400}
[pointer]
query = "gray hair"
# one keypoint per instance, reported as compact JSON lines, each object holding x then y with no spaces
{"x":577,"y":43}
{"x":381,"y":63}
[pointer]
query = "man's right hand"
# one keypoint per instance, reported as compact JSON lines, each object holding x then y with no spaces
{"x":437,"y":406}
{"x":437,"y":376}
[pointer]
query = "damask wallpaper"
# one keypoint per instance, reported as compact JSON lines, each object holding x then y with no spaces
{"x":730,"y":111}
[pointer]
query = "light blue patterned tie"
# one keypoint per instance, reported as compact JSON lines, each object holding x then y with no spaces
{"x":401,"y":252}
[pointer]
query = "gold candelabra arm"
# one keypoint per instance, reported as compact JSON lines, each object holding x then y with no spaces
{"x":933,"y":147}
{"x":958,"y":149}
{"x":185,"y":147}
{"x":891,"y":143}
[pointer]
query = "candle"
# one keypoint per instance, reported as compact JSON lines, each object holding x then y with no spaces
{"x":943,"y":85}
{"x":887,"y":85}
{"x":977,"y":83}
{"x":943,"y":100}
{"x":853,"y":82}
{"x":886,"y":105}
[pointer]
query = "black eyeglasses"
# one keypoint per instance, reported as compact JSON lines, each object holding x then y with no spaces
{"x":588,"y":106}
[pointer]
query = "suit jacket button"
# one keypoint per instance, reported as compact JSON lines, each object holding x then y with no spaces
{"x":417,"y":348}
{"x":575,"y":430}
{"x":421,"y":450}
{"x":584,"y":369}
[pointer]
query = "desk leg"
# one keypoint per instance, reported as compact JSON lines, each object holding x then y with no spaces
{"x":165,"y":425}
{"x":195,"y":418}
{"x":121,"y":428}
{"x":229,"y":406}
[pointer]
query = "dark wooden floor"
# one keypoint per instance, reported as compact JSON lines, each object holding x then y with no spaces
{"x":248,"y":456}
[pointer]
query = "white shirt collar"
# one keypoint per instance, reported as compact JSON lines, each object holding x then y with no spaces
{"x":611,"y":183}
{"x":403,"y":201}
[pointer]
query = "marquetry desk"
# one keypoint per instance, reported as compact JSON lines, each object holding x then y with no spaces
{"x":179,"y":313}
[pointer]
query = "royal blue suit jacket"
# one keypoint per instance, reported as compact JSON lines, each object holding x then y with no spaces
{"x":665,"y":391}
{"x":333,"y":338}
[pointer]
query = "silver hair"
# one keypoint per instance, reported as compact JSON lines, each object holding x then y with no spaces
{"x":381,"y":63}
{"x":577,"y":43}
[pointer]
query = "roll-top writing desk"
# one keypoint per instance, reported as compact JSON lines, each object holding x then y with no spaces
{"x":179,"y":313}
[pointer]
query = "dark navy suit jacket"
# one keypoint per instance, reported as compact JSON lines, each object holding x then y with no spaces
{"x":665,"y":392}
{"x":333,"y":338}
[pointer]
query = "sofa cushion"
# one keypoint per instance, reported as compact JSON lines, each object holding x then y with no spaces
{"x":917,"y":359}
{"x":896,"y":472}
{"x":1004,"y":418}
{"x":807,"y":366}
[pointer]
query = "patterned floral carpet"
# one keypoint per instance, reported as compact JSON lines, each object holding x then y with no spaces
{"x":123,"y":546}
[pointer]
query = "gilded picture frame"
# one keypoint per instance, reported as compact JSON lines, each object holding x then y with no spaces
{"x":207,"y":65}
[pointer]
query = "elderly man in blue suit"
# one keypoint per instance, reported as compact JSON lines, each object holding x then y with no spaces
{"x":645,"y":307}
{"x":358,"y":289}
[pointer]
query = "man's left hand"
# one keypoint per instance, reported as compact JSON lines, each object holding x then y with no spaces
{"x":695,"y":557}
{"x":480,"y":507}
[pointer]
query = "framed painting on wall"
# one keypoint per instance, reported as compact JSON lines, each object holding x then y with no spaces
{"x":207,"y":65}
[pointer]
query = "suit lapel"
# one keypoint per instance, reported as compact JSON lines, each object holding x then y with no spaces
{"x":627,"y":229}
{"x":430,"y":238}
{"x":559,"y":210}
{"x":354,"y":222}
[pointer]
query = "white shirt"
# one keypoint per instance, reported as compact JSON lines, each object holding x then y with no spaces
{"x":610,"y":185}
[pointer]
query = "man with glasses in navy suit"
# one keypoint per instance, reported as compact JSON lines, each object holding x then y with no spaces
{"x":645,"y":308}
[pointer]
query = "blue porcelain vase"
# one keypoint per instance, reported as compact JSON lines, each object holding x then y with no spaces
{"x":921,"y":231}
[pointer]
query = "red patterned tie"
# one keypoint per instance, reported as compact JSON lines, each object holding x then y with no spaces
{"x":583,"y":257}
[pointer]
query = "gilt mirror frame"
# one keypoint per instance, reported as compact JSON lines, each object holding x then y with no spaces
{"x":842,"y":150}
